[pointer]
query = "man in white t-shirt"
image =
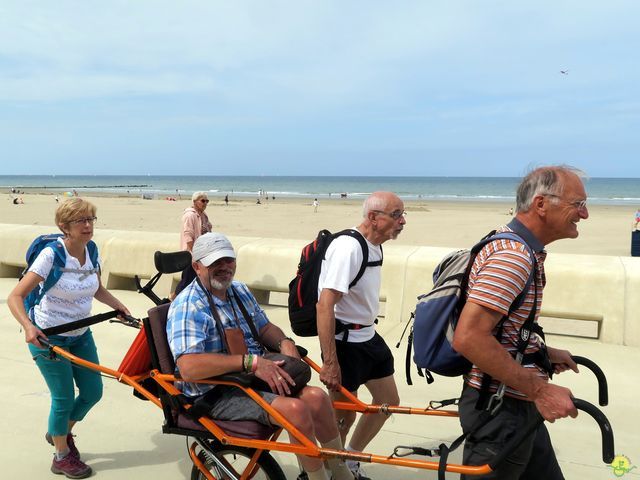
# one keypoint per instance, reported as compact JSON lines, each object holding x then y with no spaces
{"x":357,"y":355}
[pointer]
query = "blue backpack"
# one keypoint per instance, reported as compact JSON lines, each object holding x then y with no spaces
{"x":437,"y":312}
{"x":59,"y":261}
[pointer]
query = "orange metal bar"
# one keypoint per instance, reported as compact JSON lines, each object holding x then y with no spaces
{"x":199,"y":465}
{"x":121,"y":377}
{"x":357,"y":405}
{"x":306,"y":447}
{"x":252,"y":467}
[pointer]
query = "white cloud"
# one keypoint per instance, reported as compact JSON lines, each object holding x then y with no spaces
{"x":358,"y":73}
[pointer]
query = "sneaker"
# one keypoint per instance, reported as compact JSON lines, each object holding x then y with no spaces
{"x":71,"y":467}
{"x":73,"y":450}
{"x":358,"y":472}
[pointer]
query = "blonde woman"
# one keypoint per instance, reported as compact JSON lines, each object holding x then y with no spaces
{"x":68,"y":300}
{"x":194,"y":223}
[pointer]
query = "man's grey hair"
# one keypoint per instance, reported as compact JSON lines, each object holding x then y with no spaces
{"x":543,"y":181}
{"x":373,"y":202}
{"x":198,"y":195}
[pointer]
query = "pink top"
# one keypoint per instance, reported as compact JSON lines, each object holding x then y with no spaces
{"x":194,"y":224}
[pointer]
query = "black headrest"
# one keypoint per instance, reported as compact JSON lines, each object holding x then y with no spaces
{"x":172,"y":262}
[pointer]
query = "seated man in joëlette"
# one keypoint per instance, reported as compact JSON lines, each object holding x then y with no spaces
{"x":198,"y":348}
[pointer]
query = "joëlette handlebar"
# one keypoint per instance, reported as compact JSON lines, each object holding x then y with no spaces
{"x":605,"y":430}
{"x":603,"y":389}
{"x":92,"y":320}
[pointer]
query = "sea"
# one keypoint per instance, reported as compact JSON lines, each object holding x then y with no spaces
{"x":614,"y":191}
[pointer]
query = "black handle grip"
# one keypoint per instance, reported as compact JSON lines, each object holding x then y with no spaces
{"x":84,"y":322}
{"x":605,"y":430}
{"x":603,"y":389}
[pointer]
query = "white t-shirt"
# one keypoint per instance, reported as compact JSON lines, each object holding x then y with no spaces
{"x":359,"y":304}
{"x":69,"y":299}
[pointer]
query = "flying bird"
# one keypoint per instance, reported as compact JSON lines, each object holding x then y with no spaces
{"x":564,"y":72}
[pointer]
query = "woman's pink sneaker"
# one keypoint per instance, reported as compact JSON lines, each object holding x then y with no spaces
{"x":71,"y":467}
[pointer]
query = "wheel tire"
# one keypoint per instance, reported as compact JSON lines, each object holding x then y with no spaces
{"x":268,"y":468}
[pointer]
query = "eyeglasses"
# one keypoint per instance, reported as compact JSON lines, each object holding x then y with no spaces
{"x":203,"y":200}
{"x":82,"y":221}
{"x":578,"y":204}
{"x":396,"y":214}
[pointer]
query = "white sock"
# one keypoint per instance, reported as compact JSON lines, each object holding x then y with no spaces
{"x":339,"y":470}
{"x":61,"y":455}
{"x":352,"y":464}
{"x":320,"y":474}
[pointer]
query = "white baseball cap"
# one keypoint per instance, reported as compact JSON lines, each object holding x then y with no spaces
{"x":211,"y":247}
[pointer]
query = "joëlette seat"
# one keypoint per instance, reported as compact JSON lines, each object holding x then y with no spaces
{"x":176,"y":421}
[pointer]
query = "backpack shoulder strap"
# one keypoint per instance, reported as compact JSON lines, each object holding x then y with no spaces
{"x":93,"y":253}
{"x":517,"y":238}
{"x":59,"y":261}
{"x":351,"y":232}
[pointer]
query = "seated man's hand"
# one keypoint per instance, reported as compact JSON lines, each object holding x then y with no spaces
{"x":277,"y":379}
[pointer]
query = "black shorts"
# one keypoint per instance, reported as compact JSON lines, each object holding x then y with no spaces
{"x":364,"y":361}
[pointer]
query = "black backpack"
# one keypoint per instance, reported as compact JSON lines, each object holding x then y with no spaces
{"x":303,"y":289}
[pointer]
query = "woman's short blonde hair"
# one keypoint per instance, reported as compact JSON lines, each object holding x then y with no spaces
{"x":72,"y":209}
{"x":198,"y":195}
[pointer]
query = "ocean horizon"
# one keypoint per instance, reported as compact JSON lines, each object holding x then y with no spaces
{"x":616,"y":191}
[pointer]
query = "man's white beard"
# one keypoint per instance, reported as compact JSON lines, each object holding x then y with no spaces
{"x":217,"y":285}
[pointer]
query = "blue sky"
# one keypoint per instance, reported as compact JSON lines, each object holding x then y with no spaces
{"x":319,"y":87}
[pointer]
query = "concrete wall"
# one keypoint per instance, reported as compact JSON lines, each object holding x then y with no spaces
{"x":586,"y":295}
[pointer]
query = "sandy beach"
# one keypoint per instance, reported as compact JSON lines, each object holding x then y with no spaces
{"x":432,"y":223}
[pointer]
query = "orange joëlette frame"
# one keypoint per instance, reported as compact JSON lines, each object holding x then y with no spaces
{"x":306,"y":446}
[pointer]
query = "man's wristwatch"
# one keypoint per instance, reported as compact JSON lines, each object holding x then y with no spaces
{"x":285,"y":338}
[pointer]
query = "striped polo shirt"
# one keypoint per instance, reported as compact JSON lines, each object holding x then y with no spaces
{"x":497,"y":277}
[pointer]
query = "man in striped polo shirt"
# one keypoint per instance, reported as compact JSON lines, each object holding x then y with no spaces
{"x":550,"y":202}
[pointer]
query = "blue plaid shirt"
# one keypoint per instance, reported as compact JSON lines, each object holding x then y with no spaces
{"x":191,"y":327}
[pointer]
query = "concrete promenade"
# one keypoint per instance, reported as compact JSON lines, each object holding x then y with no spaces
{"x":121,"y":437}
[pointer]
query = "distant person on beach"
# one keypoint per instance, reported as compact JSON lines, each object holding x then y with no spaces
{"x":357,"y":355}
{"x":194,"y":223}
{"x":226,"y":200}
{"x":57,"y":199}
{"x":258,"y":202}
{"x":68,"y":300}
{"x":511,"y":212}
{"x":637,"y":219}
{"x":550,"y":202}
{"x":315,"y":205}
